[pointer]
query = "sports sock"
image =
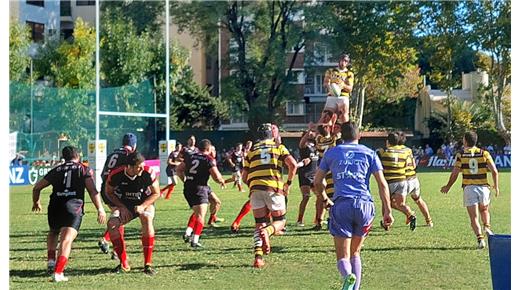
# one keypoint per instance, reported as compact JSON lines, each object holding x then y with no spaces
{"x":246,"y":208}
{"x":170,"y":190}
{"x":106,"y":236}
{"x":119,"y":245}
{"x":344,"y":267}
{"x":148,"y":244}
{"x":270,"y":230}
{"x":60,"y":265}
{"x":191,"y":225}
{"x":355,"y":262}
{"x":199,"y":226}
{"x":51,"y":255}
{"x":257,"y":244}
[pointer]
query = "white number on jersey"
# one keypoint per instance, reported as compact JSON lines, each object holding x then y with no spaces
{"x":473,"y":166}
{"x":194,"y":164}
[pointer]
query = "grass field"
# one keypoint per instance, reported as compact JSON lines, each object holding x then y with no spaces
{"x":443,"y":257}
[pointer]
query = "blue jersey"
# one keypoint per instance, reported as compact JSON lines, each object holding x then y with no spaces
{"x":351,"y":166}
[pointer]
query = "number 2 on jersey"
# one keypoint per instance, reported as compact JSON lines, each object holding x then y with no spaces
{"x":194,"y":164}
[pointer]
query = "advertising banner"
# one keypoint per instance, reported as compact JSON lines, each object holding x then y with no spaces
{"x":501,"y":161}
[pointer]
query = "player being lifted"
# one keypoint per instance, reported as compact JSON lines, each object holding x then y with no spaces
{"x":65,"y":211}
{"x":116,"y":159}
{"x":263,"y":174}
{"x":393,"y":158}
{"x":339,"y":82}
{"x":474,"y":163}
{"x":133,"y":189}
{"x":235,"y":158}
{"x":195,"y":171}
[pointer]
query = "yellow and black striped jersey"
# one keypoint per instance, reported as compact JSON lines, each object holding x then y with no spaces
{"x":324,"y":143}
{"x":410,"y":169}
{"x":264,"y":164}
{"x":473,"y":164}
{"x":393,"y":159}
{"x":336,"y":75}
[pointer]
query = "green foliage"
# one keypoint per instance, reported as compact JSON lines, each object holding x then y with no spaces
{"x":446,"y":254}
{"x":19,"y":42}
{"x":146,"y":16}
{"x":74,"y":67}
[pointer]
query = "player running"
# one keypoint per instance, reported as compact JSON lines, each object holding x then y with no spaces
{"x":235,"y":158}
{"x":353,"y":210}
{"x":173,"y":162}
{"x":394,"y":158}
{"x":195,"y":171}
{"x":263,"y":174}
{"x":474,"y":162}
{"x":66,"y":207}
{"x":116,"y":159}
{"x":133,"y":189}
{"x":413,"y":185}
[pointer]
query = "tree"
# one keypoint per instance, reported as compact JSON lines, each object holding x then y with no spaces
{"x":446,"y":32}
{"x":19,"y":42}
{"x":266,"y":36}
{"x":378,"y":37}
{"x":490,"y":22}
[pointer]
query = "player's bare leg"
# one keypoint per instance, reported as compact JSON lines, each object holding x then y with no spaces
{"x":342,"y":247}
{"x":320,"y":212}
{"x":475,"y":225}
{"x":214,"y":207}
{"x":400,"y":205}
{"x":423,"y":207}
{"x":343,"y":112}
{"x":485,"y":217}
{"x":67,"y":236}
{"x":52,"y":243}
{"x":355,"y":258}
{"x":328,"y":117}
{"x":306,"y":193}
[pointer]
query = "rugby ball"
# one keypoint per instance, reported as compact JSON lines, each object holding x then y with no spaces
{"x":335,"y":89}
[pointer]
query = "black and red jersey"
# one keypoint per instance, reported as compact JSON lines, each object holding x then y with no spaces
{"x":173,"y":156}
{"x":197,"y":169}
{"x":68,"y":181}
{"x":237,"y":157}
{"x":116,"y":159}
{"x":187,"y":151}
{"x":132,"y":190}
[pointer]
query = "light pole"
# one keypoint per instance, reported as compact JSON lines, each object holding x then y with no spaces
{"x":32,"y":52}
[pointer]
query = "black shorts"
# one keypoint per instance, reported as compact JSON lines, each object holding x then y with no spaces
{"x":306,"y":177}
{"x":104,"y":197}
{"x":197,"y":195}
{"x":170,"y":172}
{"x":69,"y":214}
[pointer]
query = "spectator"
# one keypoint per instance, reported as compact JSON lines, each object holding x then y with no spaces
{"x":490,"y":149}
{"x":18,"y":160}
{"x":428,"y":150}
{"x":507,"y":149}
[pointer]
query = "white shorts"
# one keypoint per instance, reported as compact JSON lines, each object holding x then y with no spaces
{"x":414,"y":188}
{"x":333,"y":103}
{"x":271,"y":200}
{"x":399,"y":187}
{"x":238,"y":176}
{"x":476,"y":194}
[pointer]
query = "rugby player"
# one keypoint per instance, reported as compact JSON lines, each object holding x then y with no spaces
{"x":474,"y":163}
{"x":66,"y":207}
{"x":306,"y":171}
{"x":394,"y":158}
{"x":263,"y":174}
{"x":133,"y":189}
{"x":171,"y":172}
{"x":353,"y":210}
{"x":235,"y":158}
{"x":116,"y":159}
{"x":194,"y":171}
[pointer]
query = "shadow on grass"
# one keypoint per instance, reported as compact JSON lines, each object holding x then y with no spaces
{"x":405,"y":248}
{"x":198,"y":266}
{"x":28,"y":273}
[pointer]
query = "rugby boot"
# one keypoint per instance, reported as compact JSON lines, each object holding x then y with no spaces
{"x":349,"y":282}
{"x":481,"y":244}
{"x":259,"y":262}
{"x":59,"y":277}
{"x":148,"y":270}
{"x":413,"y":222}
{"x":50,"y":266}
{"x":235,"y":228}
{"x":120,"y":269}
{"x":196,"y":246}
{"x":186,"y":238}
{"x":103,"y":246}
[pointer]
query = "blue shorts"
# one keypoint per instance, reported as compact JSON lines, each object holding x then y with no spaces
{"x":351,"y":217}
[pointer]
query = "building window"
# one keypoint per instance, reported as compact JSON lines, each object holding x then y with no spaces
{"x":85,"y":3}
{"x":297,"y":76}
{"x":37,"y":30}
{"x":65,"y":9}
{"x":314,"y":84}
{"x":294,"y":108}
{"x":36,"y":3}
{"x":322,"y":53}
